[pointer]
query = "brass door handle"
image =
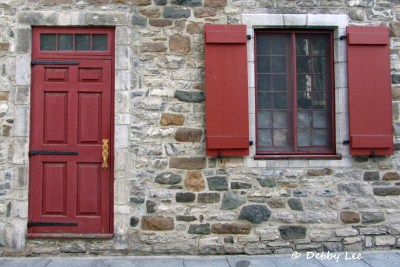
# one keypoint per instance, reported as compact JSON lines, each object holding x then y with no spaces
{"x":104,"y":154}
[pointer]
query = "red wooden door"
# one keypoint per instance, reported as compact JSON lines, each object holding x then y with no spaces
{"x":71,"y":131}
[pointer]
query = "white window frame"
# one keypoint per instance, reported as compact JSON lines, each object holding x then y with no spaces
{"x":338,"y":24}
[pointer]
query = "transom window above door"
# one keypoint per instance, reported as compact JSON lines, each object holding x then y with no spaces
{"x":73,"y":42}
{"x":294,"y":92}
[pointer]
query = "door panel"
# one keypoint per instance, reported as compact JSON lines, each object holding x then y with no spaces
{"x":71,"y":112}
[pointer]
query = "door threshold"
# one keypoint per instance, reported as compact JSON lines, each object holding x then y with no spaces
{"x":68,"y":235}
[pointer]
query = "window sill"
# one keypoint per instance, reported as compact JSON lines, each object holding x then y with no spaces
{"x":332,"y":156}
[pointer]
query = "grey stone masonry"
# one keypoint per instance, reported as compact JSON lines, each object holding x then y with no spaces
{"x":168,"y":196}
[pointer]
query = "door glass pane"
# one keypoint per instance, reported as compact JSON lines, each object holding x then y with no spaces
{"x":280,"y":119}
{"x":48,"y":42}
{"x":99,"y":42}
{"x":65,"y":42}
{"x":263,"y":82}
{"x":264,"y":100}
{"x":304,"y":137}
{"x":264,"y":119}
{"x":264,"y":138}
{"x":279,"y":82}
{"x":280,"y":137}
{"x":82,"y":42}
{"x":280,"y":101}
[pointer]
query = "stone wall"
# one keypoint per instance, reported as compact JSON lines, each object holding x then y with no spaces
{"x":170,"y":197}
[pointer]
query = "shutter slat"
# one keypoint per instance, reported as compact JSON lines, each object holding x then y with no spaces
{"x":227,"y":124}
{"x":370,"y":102}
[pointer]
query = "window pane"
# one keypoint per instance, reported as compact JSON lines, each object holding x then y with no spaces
{"x":263,"y":45}
{"x":48,"y":42}
{"x":64,"y":42}
{"x":264,"y":64}
{"x":303,"y":82}
{"x":264,"y":100}
{"x":318,"y":64}
{"x":319,"y":101}
{"x":319,"y":83}
{"x":82,"y":42}
{"x":280,"y":101}
{"x":280,"y":119}
{"x":304,"y":137}
{"x":279,"y":82}
{"x":279,"y":44}
{"x":302,"y":46}
{"x":99,"y":42}
{"x":280,"y":137}
{"x":303,"y":65}
{"x":303,"y":100}
{"x":264,"y":119}
{"x":263,"y":82}
{"x":303,"y":119}
{"x":279,"y":64}
{"x":320,"y":45}
{"x":320,"y":137}
{"x":264,"y":138}
{"x":319,"y":119}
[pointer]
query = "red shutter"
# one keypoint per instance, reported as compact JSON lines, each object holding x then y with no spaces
{"x":370,"y":100}
{"x":227,"y":120}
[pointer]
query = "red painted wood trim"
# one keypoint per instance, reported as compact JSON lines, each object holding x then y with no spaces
{"x":371,"y":141}
{"x":368,"y":38}
{"x":50,"y":235}
{"x":218,"y":142}
{"x":303,"y":156}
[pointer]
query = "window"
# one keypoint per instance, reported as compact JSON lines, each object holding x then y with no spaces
{"x":294,"y":92}
{"x":73,"y":42}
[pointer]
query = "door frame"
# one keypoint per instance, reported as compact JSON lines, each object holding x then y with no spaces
{"x":71,"y":55}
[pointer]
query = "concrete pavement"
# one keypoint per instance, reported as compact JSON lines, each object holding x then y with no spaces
{"x":304,"y":259}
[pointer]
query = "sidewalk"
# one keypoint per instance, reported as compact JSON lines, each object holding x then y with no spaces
{"x":359,"y":259}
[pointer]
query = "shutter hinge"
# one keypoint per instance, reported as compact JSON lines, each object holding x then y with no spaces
{"x":251,"y":143}
{"x":346,"y":142}
{"x":248,"y":37}
{"x":343,"y":37}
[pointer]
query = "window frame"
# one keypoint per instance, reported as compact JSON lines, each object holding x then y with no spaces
{"x":292,"y":128}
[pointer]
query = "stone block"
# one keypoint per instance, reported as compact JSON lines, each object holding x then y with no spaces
{"x":191,"y":3}
{"x":355,"y":189}
{"x":187,"y":163}
{"x":160,"y":2}
{"x":230,"y":228}
{"x":371,"y":176}
{"x":255,"y":213}
{"x":134,"y":221}
{"x":176,"y":12}
{"x":267,"y":182}
{"x":160,"y":22}
{"x":276,"y":203}
{"x":157,"y":223}
{"x":391,"y":176}
{"x":349,"y":217}
{"x":215,"y":3}
{"x":153,"y":47}
{"x":217,"y":183}
{"x":24,"y":37}
{"x":385,"y":240}
{"x":169,"y":178}
{"x":239,"y":185}
{"x":186,"y":218}
{"x":387,"y":191}
{"x":199,"y":229}
{"x":179,"y":43}
{"x":106,"y":18}
{"x":359,"y":3}
{"x":195,"y":28}
{"x":172,"y":119}
{"x":190,"y":96}
{"x":208,"y":197}
{"x":346,"y":232}
{"x":372,"y":217}
{"x":141,"y":2}
{"x":4,"y":46}
{"x":231,"y":201}
{"x":21,"y":120}
{"x":74,"y":247}
{"x":319,"y":172}
{"x":150,"y":206}
{"x":293,"y":232}
{"x":188,"y":135}
{"x":204,"y":12}
{"x":37,"y":18}
{"x":185,"y":197}
{"x":194,"y":181}
{"x":23,"y":70}
{"x":212,"y":245}
{"x":295,"y":204}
